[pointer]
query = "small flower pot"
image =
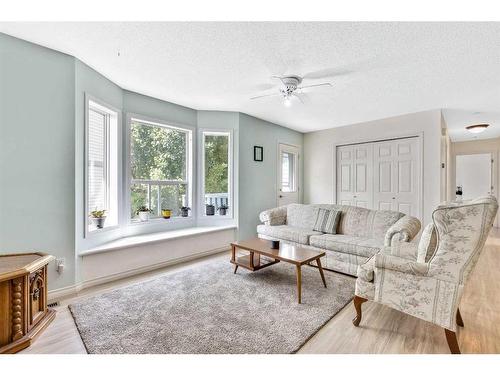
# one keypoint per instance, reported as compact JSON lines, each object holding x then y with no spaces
{"x":210,"y":210}
{"x":222,"y":211}
{"x":166,"y":214}
{"x":144,"y":215}
{"x":99,"y":221}
{"x":184,"y":212}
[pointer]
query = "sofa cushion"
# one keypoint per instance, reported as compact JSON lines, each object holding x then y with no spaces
{"x":301,"y":215}
{"x":347,"y":244}
{"x":287,"y":232}
{"x":327,"y":221}
{"x":362,"y":222}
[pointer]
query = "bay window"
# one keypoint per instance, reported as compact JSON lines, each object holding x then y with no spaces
{"x":160,"y":167}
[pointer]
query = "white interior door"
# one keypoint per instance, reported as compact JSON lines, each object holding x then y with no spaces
{"x":397,"y":176}
{"x":474,"y":173}
{"x":355,"y":175}
{"x":288,"y":174}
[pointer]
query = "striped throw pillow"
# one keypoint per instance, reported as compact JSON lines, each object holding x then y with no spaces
{"x":327,"y":221}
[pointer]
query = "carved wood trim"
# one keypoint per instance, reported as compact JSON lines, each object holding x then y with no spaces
{"x":17,"y":309}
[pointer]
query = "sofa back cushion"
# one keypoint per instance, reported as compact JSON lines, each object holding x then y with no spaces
{"x":354,"y":221}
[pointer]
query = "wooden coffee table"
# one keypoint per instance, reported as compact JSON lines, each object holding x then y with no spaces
{"x":294,"y":254}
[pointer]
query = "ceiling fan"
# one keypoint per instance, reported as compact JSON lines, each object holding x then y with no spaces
{"x":291,"y":88}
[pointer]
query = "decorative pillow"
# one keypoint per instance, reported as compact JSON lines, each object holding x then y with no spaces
{"x":327,"y":221}
{"x":427,"y":244}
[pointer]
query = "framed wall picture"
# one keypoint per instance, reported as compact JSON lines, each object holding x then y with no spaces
{"x":258,"y":153}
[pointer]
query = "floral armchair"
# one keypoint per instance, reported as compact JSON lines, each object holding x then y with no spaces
{"x":427,"y":281}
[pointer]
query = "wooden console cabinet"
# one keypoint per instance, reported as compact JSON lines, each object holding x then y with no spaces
{"x":23,"y":299}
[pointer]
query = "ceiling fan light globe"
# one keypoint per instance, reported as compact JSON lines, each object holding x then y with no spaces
{"x":287,"y":102}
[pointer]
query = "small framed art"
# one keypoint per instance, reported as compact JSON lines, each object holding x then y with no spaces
{"x":258,"y":153}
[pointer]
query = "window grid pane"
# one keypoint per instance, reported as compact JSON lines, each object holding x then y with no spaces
{"x":159,"y":157}
{"x":216,"y":170}
{"x":97,"y":185}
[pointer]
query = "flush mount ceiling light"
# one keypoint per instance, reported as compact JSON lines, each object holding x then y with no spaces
{"x":479,"y":128}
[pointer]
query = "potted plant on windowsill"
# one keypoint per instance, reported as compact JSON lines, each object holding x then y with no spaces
{"x":98,"y":217}
{"x":210,"y":210}
{"x":143,"y":213}
{"x":223,"y":210}
{"x":185,"y":211}
{"x":166,"y":213}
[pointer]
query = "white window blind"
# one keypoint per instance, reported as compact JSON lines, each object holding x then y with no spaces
{"x":97,"y":161}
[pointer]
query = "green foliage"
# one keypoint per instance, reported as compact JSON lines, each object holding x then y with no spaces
{"x":157,"y":153}
{"x":97,"y":213}
{"x":142,"y":209}
{"x":216,"y":164}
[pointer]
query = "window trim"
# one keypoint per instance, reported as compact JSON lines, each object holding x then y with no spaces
{"x":86,"y":221}
{"x":190,"y":157}
{"x":201,"y":175}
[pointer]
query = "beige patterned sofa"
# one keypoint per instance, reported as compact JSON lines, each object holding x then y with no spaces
{"x":427,"y":280}
{"x":362,"y":232}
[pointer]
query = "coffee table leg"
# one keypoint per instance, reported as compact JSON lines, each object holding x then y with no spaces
{"x":318,"y":262}
{"x":235,"y":268}
{"x":299,"y":284}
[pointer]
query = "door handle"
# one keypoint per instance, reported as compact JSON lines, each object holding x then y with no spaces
{"x":393,"y":197}
{"x":281,"y":196}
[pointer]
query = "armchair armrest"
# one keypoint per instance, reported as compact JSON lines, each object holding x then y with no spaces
{"x":395,"y":263}
{"x":274,"y":216}
{"x":403,"y":230}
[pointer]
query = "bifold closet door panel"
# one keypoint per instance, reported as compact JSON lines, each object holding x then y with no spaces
{"x":345,"y":185}
{"x":397,"y":176}
{"x":355,"y":175}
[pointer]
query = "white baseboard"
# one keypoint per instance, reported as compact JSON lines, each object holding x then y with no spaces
{"x":73,"y":290}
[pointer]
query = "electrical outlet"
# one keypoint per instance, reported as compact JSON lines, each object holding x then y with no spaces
{"x":60,"y":264}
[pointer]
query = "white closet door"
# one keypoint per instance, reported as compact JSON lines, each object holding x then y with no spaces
{"x":355,"y":175}
{"x":345,"y":185}
{"x":397,"y":176}
{"x":363,"y":175}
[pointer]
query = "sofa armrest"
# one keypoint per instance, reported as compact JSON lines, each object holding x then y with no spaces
{"x":395,"y":263}
{"x":274,"y":216}
{"x":403,"y":230}
{"x":405,"y":250}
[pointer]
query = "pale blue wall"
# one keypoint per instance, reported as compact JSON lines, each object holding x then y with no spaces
{"x":37,"y":153}
{"x":258,"y":180}
{"x":157,"y":109}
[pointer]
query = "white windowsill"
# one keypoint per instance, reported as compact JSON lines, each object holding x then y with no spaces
{"x":142,"y":239}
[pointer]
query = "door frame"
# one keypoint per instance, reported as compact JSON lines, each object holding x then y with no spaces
{"x":419,"y":135}
{"x":278,"y":177}
{"x":494,"y":169}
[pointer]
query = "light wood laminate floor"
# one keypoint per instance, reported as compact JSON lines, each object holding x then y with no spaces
{"x":382,"y":330}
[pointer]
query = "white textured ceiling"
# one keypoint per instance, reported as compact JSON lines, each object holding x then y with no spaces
{"x":377,"y":70}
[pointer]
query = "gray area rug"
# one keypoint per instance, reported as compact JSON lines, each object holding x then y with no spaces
{"x":208,"y":309}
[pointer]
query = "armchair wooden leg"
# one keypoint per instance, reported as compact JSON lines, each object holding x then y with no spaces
{"x":358,"y":301}
{"x":460,"y":322}
{"x":451,"y":337}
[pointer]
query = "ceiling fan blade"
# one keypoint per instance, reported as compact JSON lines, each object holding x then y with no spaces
{"x":303,"y":97}
{"x":311,"y":86}
{"x":298,"y":96}
{"x":264,"y":86}
{"x":328,"y":72}
{"x":265,"y":96}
